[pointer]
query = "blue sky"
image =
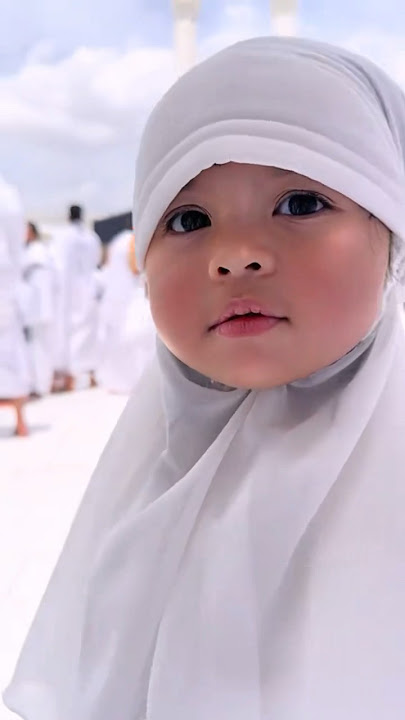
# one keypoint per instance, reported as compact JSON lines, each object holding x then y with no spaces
{"x":78,"y":78}
{"x":63,"y":25}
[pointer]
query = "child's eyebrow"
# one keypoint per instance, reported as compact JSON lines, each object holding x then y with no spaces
{"x":188,"y":185}
{"x":281,"y":171}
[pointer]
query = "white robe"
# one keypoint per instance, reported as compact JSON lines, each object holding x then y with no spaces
{"x":77,"y":252}
{"x":127,"y":330}
{"x":39,"y":313}
{"x":14,"y":375}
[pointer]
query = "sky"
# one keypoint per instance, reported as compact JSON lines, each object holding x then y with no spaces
{"x":78,"y":79}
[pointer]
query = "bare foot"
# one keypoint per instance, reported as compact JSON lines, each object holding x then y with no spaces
{"x":21,"y":430}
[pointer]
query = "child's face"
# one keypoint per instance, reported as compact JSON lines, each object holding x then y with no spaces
{"x":290,"y":247}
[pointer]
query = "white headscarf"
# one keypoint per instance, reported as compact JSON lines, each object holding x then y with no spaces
{"x":240,"y":555}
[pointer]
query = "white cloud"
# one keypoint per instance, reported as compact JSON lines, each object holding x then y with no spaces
{"x":67,"y":122}
{"x":240,"y":20}
{"x":69,"y":130}
{"x":85,"y":98}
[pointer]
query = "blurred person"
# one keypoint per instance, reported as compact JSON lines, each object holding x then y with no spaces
{"x":78,"y":254}
{"x":39,"y":293}
{"x":14,"y":373}
{"x":127,"y":333}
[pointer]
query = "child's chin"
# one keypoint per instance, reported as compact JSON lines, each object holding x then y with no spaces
{"x":256,"y":380}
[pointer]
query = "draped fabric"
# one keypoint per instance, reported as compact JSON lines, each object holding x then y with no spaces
{"x":14,"y":373}
{"x":77,"y":254}
{"x":127,"y":334}
{"x":240,"y":554}
{"x":39,"y":293}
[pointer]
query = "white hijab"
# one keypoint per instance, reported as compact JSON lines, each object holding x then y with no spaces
{"x":241,"y":555}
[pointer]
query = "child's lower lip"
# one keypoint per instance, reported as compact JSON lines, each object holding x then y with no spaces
{"x":246,"y":325}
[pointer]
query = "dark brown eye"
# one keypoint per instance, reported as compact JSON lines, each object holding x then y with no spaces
{"x":303,"y":203}
{"x":188,"y":221}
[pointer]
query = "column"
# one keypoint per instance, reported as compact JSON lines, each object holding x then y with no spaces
{"x":185,"y":33}
{"x":283,"y":17}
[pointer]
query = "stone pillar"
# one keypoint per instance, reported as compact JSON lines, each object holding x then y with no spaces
{"x":185,"y":32}
{"x":283,"y":17}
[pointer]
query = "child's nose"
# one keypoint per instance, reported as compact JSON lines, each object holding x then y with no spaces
{"x":239,"y":259}
{"x":235,"y":269}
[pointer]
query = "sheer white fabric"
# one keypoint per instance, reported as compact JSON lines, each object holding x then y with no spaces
{"x":39,"y":293}
{"x":77,"y":252}
{"x":14,"y":373}
{"x":127,"y":332}
{"x":241,"y":554}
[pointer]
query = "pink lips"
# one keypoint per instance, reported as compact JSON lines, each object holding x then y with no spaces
{"x":244,"y":318}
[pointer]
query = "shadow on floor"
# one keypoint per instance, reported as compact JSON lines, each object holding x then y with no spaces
{"x":34,"y":428}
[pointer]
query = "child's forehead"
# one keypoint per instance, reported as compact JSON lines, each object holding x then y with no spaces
{"x":237,"y":169}
{"x":230,"y":179}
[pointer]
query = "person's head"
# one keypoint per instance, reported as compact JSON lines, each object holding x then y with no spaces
{"x":289,"y":246}
{"x":127,"y":222}
{"x":32,"y":233}
{"x":75,"y":213}
{"x":278,"y":199}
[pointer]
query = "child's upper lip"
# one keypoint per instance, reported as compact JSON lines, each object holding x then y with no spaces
{"x":243,"y":306}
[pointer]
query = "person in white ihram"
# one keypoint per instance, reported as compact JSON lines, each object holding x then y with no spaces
{"x":77,"y":254}
{"x":39,"y":285}
{"x":126,"y":327}
{"x":14,"y":370}
{"x":240,"y":551}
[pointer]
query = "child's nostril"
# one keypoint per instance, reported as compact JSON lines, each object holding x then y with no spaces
{"x":253,"y":266}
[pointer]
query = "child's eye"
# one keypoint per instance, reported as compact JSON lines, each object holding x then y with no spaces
{"x":302,"y":203}
{"x":187,"y":221}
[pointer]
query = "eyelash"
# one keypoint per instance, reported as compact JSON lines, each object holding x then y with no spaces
{"x":180,"y":211}
{"x":326,"y":203}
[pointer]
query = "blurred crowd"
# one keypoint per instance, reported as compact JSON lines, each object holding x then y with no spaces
{"x":73,"y":312}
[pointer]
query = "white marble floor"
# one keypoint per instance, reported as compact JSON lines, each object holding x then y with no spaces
{"x":42,"y":479}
